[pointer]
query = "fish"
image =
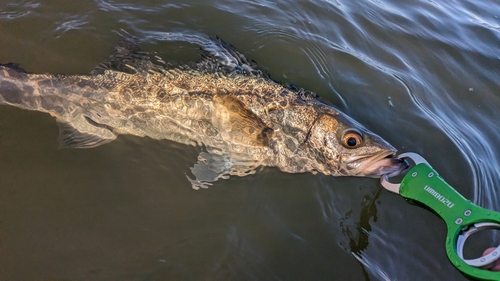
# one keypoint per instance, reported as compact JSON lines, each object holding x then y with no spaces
{"x":240,"y":117}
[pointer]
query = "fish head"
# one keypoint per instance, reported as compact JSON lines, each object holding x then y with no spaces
{"x":343,"y":147}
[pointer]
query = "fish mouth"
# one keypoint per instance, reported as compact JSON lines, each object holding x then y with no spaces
{"x":375,"y":166}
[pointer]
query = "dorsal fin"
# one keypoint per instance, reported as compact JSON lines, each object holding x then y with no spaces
{"x":14,"y":66}
{"x":126,"y":57}
{"x":222,"y":57}
{"x":217,"y":57}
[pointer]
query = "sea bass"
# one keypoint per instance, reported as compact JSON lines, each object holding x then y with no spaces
{"x":241,"y":117}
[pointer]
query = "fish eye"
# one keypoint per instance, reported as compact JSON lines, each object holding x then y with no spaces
{"x":352,"y":139}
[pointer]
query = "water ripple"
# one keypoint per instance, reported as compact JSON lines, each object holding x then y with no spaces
{"x":114,"y":6}
{"x":72,"y":22}
{"x":17,"y":9}
{"x":437,"y":60}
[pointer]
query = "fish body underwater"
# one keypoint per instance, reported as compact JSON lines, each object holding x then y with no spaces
{"x":241,"y":117}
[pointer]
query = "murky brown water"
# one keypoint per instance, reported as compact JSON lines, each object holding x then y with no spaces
{"x":422,"y":74}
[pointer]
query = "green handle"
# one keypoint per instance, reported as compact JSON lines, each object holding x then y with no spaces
{"x":424,"y":185}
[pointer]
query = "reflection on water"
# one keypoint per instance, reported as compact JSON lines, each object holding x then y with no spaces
{"x":124,"y":211}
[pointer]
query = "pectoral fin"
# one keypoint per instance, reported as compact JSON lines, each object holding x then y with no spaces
{"x":238,"y":124}
{"x":89,"y":134}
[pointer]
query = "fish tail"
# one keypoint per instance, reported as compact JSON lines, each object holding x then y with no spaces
{"x":12,"y":89}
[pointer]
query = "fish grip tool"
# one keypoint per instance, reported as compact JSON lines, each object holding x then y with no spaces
{"x":423,"y":185}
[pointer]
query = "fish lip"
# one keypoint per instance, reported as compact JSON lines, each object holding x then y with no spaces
{"x":370,"y":159}
{"x":368,"y":163}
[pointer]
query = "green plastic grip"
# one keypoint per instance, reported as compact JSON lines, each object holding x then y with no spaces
{"x":423,"y":184}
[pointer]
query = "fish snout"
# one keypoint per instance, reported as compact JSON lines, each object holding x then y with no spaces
{"x":387,"y":166}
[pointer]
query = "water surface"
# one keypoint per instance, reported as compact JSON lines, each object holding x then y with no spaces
{"x":422,"y":74}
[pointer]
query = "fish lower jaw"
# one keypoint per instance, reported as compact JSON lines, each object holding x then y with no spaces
{"x":375,"y":166}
